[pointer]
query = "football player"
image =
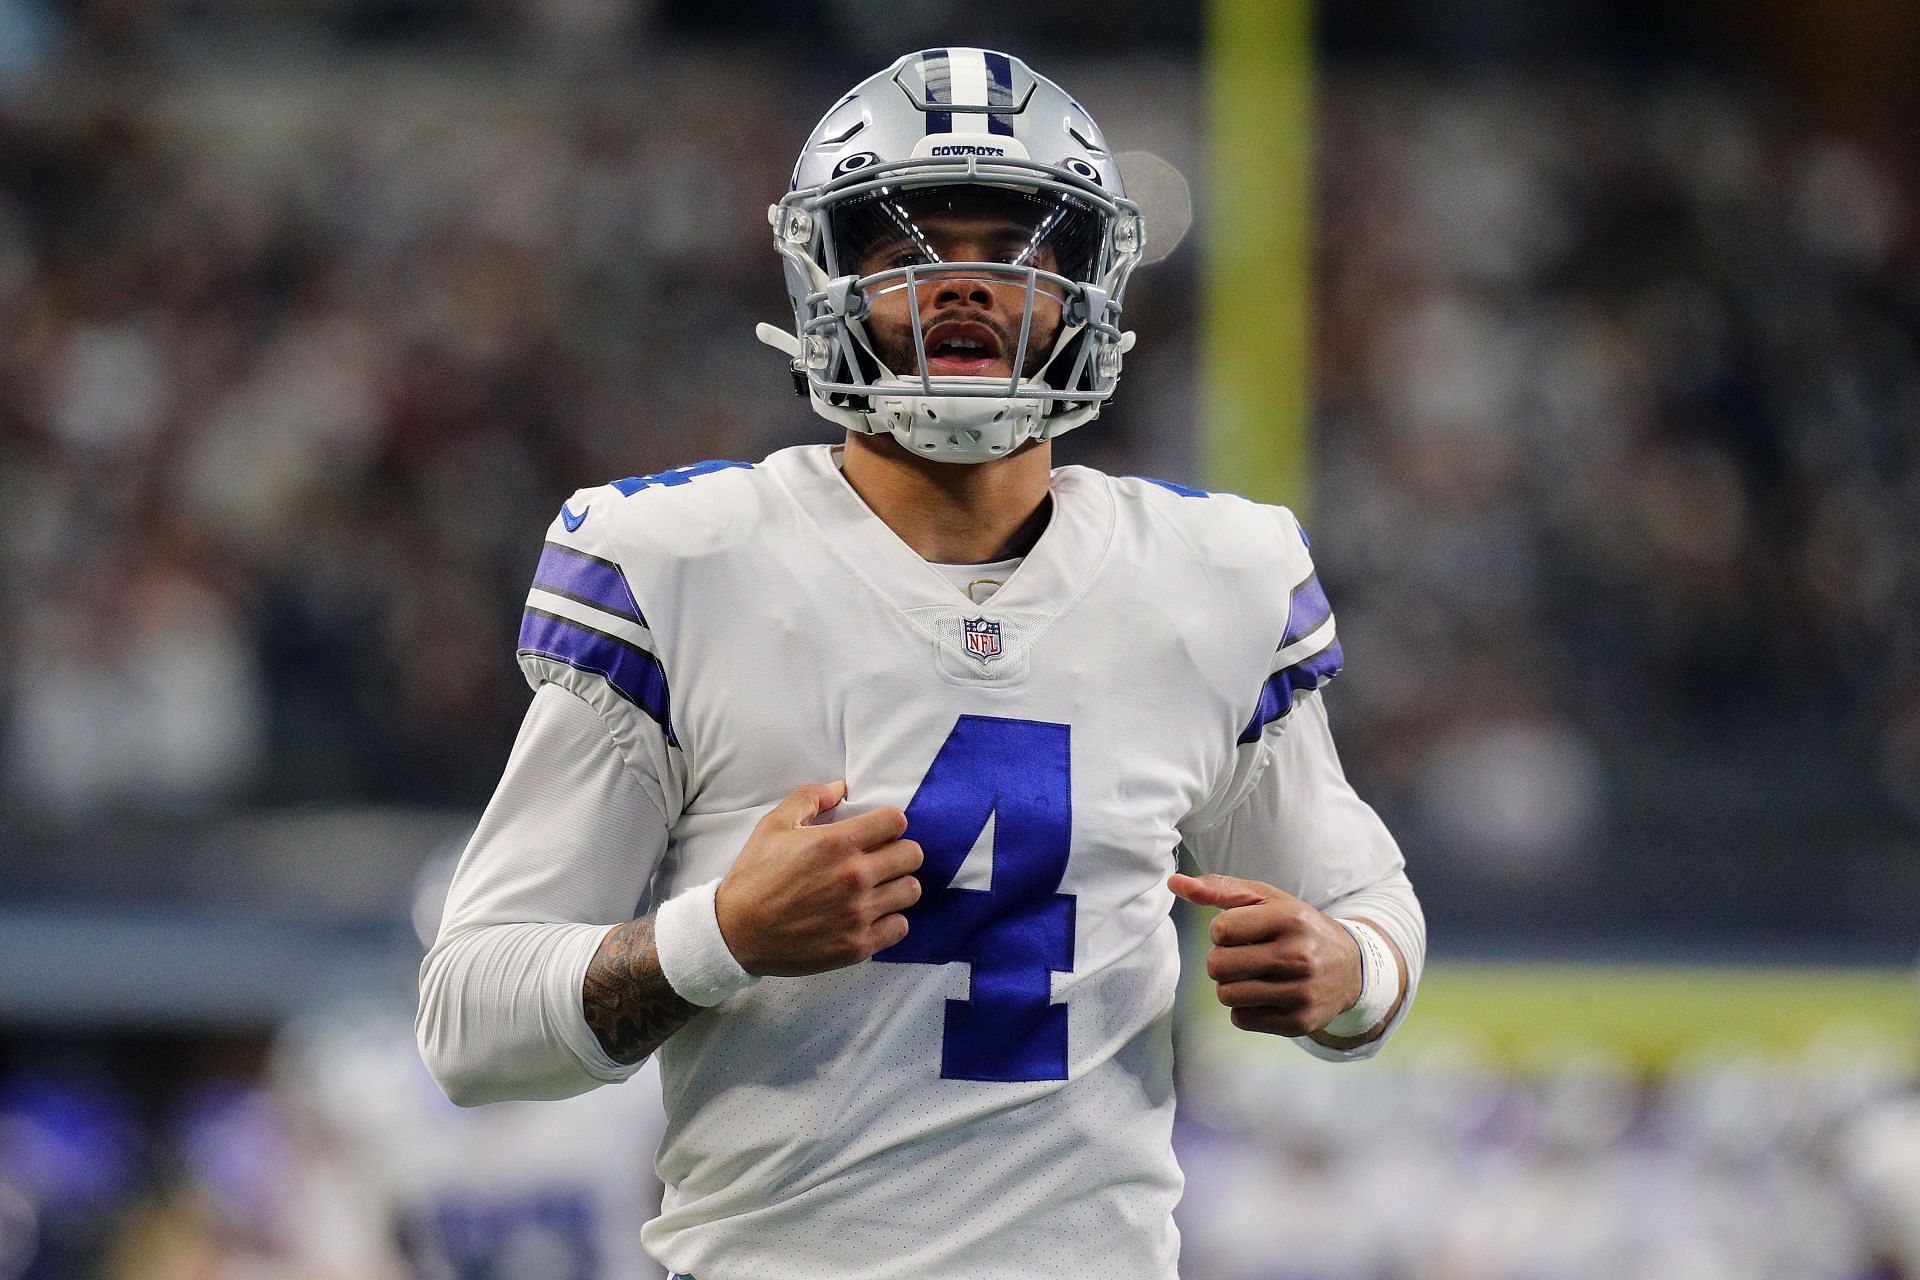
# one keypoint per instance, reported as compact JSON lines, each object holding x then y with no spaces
{"x":903,"y":736}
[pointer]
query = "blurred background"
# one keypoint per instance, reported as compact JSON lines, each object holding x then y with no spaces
{"x":1586,"y":337}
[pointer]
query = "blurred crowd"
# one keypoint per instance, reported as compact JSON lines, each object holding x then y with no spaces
{"x":1618,"y":425}
{"x":1446,"y":1168}
{"x":1619,"y":474}
{"x":299,"y":365}
{"x":327,"y":1155}
{"x":340,"y":1160}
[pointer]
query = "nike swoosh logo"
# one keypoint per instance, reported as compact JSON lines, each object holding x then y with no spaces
{"x":572,"y":521}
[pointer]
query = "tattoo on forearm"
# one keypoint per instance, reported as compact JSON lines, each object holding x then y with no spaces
{"x":629,"y":1003}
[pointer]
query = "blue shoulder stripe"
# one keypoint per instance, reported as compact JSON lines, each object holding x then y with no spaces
{"x":1278,"y":693}
{"x":1307,"y":609}
{"x":634,"y":674}
{"x":588,"y":579}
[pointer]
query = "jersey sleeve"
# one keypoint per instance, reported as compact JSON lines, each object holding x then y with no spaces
{"x":1303,"y":828}
{"x":1307,"y":654}
{"x":584,"y":630}
{"x":1298,"y":656}
{"x":1287,"y":816}
{"x":566,"y":849}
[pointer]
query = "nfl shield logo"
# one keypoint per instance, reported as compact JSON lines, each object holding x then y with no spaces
{"x":983,"y":637}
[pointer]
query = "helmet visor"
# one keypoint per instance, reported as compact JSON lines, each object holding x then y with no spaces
{"x":923,"y":226}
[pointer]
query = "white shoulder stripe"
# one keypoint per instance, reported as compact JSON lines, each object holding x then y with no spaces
{"x":1305,"y":647}
{"x":588,"y":615}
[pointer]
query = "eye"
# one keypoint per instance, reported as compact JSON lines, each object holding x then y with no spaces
{"x":891,"y":257}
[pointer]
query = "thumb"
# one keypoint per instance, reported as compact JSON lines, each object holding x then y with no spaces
{"x":1219,"y":891}
{"x":805,"y":803}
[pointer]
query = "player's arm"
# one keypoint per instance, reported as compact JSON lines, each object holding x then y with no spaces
{"x":1307,"y":876}
{"x":626,"y":996}
{"x":802,"y":898}
{"x":544,"y":981}
{"x":1285,"y":967}
{"x":564,"y":852}
{"x":523,"y":995}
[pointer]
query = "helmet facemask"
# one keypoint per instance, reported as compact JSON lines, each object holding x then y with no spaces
{"x":869,"y":245}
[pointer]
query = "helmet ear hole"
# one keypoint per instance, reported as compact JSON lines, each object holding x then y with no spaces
{"x":932,"y":416}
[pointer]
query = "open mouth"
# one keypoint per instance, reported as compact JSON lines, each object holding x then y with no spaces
{"x":964,"y":348}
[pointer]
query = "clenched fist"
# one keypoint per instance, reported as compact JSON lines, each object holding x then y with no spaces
{"x":1279,"y":964}
{"x":805,"y":898}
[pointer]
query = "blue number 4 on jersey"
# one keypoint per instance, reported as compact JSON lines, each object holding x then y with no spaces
{"x":1016,"y":934}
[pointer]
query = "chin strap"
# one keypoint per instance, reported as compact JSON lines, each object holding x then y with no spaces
{"x":788,"y":345}
{"x":779,"y":339}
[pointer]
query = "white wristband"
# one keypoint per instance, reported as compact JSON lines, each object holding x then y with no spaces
{"x":693,"y":954}
{"x":1379,"y":982}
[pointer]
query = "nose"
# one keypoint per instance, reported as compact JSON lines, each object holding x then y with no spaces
{"x":951,"y":291}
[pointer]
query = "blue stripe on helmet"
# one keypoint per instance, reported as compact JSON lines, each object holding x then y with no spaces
{"x":1282,"y":687}
{"x":936,"y":77}
{"x":999,"y":92}
{"x":936,"y":73}
{"x":632,"y":672}
{"x":588,"y":579}
{"x":999,"y":79}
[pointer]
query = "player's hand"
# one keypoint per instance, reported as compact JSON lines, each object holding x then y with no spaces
{"x":808,"y":898}
{"x":1279,"y":964}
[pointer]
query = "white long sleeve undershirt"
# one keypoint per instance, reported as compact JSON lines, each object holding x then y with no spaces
{"x":565,"y":851}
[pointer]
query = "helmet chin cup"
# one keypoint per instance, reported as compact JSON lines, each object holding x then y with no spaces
{"x":956,"y":428}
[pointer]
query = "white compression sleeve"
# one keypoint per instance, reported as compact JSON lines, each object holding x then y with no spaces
{"x":564,"y":852}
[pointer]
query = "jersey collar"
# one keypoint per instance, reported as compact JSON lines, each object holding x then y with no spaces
{"x":1057,"y":571}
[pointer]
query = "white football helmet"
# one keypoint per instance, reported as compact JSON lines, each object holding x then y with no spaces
{"x":956,"y":131}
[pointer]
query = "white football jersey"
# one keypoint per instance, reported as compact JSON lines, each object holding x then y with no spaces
{"x":994,"y":1095}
